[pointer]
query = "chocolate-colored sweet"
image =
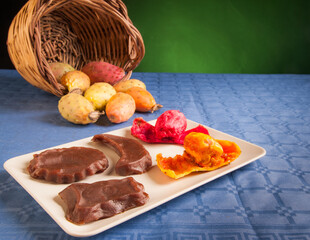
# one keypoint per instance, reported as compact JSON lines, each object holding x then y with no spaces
{"x":134,"y":158}
{"x":90,"y":202}
{"x":67,"y":165}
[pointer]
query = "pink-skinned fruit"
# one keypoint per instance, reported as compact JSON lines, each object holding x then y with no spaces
{"x":170,"y":127}
{"x":99,"y":71}
{"x":170,"y":124}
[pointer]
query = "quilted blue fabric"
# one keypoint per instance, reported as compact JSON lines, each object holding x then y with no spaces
{"x":267,"y":199}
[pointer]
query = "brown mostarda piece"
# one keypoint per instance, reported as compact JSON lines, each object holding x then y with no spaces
{"x":88,"y":202}
{"x":134,"y":158}
{"x":67,"y":165}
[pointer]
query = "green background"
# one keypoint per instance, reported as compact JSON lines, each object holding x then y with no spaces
{"x":223,"y":36}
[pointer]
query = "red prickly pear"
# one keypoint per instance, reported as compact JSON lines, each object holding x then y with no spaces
{"x":99,"y":71}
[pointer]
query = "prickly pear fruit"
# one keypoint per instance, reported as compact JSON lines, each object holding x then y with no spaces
{"x":75,"y":81}
{"x":77,"y":109}
{"x":120,"y":107}
{"x":99,"y":71}
{"x":170,"y":125}
{"x":123,"y":86}
{"x":59,"y":69}
{"x":144,"y":100}
{"x":169,"y":128}
{"x":99,"y":94}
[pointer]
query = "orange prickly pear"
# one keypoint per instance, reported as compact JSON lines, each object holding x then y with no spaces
{"x":120,"y":107}
{"x":144,"y":100}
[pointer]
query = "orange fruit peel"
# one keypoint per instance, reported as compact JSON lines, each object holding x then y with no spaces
{"x":202,"y":153}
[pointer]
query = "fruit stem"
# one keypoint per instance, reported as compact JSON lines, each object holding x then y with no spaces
{"x":156,"y":107}
{"x":77,"y":90}
{"x":94,"y":116}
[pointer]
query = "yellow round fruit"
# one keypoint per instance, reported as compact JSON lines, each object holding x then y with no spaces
{"x":77,"y":109}
{"x":99,"y":94}
{"x":75,"y":80}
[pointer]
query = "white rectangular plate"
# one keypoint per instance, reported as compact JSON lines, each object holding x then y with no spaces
{"x":160,"y":187}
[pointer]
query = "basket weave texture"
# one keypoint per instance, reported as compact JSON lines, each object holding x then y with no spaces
{"x":74,"y":32}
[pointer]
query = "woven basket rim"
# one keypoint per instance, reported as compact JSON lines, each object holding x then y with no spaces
{"x":25,"y":39}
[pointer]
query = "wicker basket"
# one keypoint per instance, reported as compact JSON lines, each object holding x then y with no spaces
{"x":74,"y":32}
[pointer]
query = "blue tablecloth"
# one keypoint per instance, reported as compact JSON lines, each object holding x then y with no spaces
{"x":267,"y":199}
